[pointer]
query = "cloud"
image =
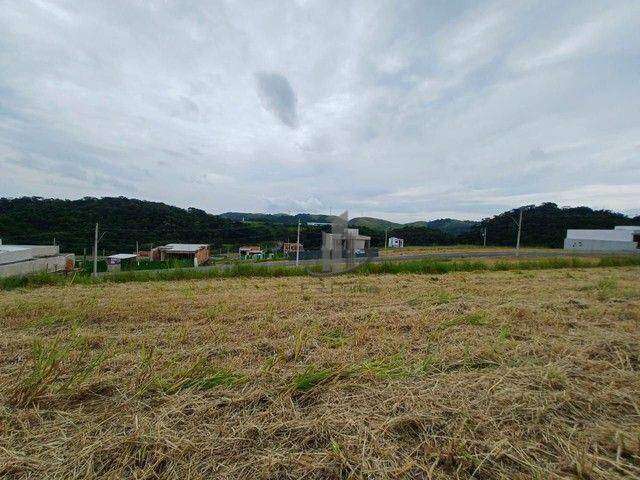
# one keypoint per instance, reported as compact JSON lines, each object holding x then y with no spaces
{"x":409,"y":110}
{"x":218,"y":178}
{"x":596,"y":33}
{"x":278,"y":97}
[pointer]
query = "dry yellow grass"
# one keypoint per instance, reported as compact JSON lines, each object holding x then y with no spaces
{"x":495,"y":375}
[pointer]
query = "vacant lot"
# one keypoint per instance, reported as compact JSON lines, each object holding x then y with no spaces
{"x":509,"y":375}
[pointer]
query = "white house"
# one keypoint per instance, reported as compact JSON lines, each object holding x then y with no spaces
{"x":621,"y":239}
{"x":395,"y":242}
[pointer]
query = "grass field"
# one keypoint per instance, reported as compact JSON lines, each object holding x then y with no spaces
{"x":487,"y":375}
{"x":424,"y":266}
{"x":400,"y":252}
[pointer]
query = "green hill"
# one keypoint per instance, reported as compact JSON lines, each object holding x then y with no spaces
{"x":446,"y":225}
{"x":276,"y":218}
{"x":124,"y":221}
{"x":373,"y":223}
{"x":543,"y":225}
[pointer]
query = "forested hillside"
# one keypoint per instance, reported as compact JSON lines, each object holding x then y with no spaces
{"x":34,"y":220}
{"x":543,"y":225}
{"x":373,"y":223}
{"x":450,"y":226}
{"x":276,"y":218}
{"x":415,"y":235}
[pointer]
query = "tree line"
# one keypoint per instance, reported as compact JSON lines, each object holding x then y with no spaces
{"x":543,"y":225}
{"x":124,"y":221}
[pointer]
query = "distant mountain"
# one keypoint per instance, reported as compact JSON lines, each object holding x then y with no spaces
{"x":373,"y":223}
{"x":447,"y":225}
{"x":278,"y":218}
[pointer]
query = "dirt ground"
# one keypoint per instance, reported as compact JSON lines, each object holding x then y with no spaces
{"x":493,"y":375}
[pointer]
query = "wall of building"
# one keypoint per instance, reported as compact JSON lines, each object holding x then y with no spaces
{"x":619,"y":235}
{"x":395,"y":242}
{"x":203,"y":255}
{"x":15,"y":255}
{"x":628,"y":227}
{"x":359,"y":244}
{"x":591,"y":245}
{"x":19,"y":253}
{"x":47,"y":264}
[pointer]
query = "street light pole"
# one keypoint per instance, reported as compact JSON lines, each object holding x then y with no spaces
{"x":519,"y":232}
{"x":298,"y":245}
{"x":95,"y":252}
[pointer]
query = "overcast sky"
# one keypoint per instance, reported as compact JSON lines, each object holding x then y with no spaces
{"x":405,"y":110}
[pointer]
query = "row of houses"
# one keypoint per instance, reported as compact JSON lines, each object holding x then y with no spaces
{"x":26,"y":259}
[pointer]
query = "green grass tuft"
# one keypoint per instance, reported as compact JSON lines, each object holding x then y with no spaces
{"x":311,"y":377}
{"x":334,"y":338}
{"x":53,"y":370}
{"x":607,"y":288}
{"x":477,"y":319}
{"x":199,"y":376}
{"x":394,"y":367}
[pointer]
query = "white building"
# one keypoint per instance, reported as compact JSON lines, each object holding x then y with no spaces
{"x":395,"y":242}
{"x":350,"y":240}
{"x":621,"y":239}
{"x":25,"y":259}
{"x":115,"y":262}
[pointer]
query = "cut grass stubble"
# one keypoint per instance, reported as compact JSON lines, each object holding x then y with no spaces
{"x":498,"y":376}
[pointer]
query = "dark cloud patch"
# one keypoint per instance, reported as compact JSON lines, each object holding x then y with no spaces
{"x":185,"y":108}
{"x":278,"y":97}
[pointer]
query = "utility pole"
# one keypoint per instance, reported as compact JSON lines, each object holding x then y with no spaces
{"x":95,"y":253}
{"x":519,"y":231}
{"x":137,"y":254}
{"x":298,"y":245}
{"x":484,"y":237}
{"x":386,"y":231}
